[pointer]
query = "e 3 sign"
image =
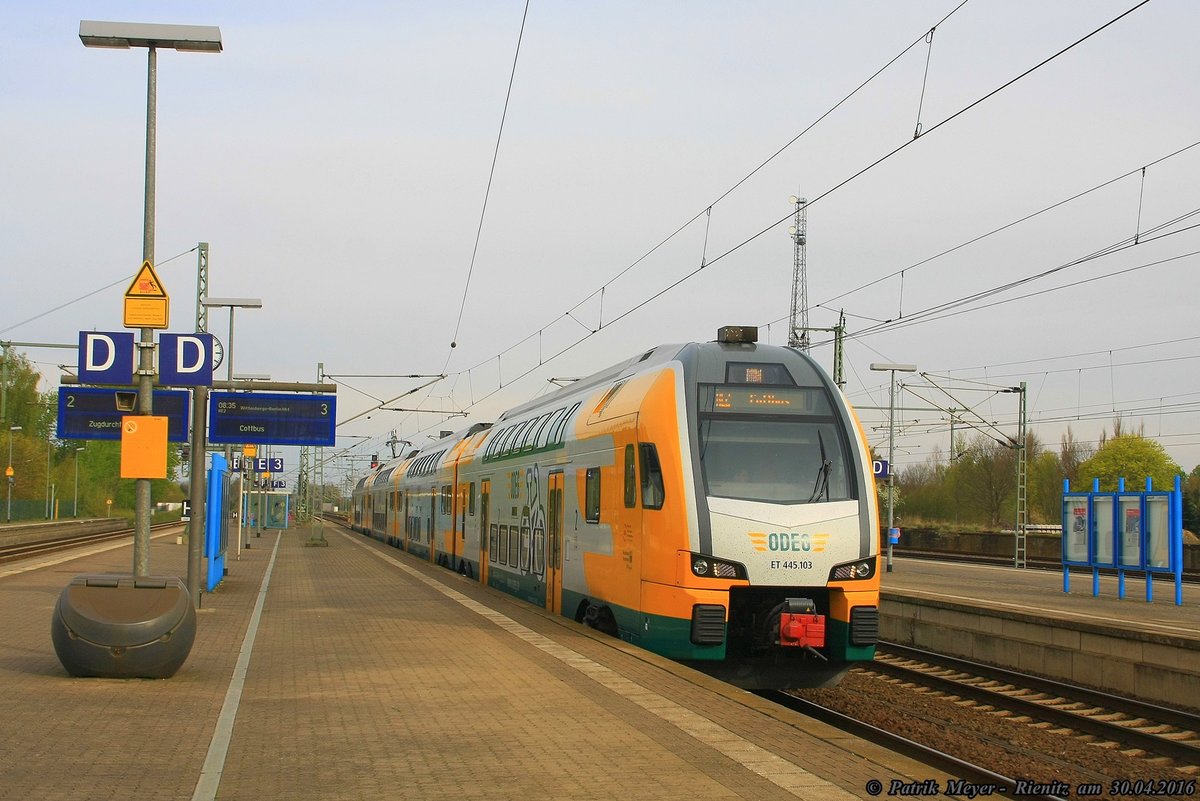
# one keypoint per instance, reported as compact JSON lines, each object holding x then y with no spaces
{"x":185,"y":360}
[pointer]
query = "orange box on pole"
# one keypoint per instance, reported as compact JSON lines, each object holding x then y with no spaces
{"x":143,"y":446}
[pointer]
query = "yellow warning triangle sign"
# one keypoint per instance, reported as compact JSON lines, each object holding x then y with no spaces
{"x":146,"y":284}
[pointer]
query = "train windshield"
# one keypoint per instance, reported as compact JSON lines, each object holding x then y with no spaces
{"x":798,"y":454}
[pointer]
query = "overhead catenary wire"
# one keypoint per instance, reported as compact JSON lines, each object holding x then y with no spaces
{"x":707,"y":210}
{"x":124,"y":279}
{"x":659,"y":293}
{"x":488,"y":191}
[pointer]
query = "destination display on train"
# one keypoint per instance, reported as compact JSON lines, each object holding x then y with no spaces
{"x":779,"y":400}
{"x":271,"y":418}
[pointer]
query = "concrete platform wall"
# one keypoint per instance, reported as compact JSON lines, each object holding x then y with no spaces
{"x":1038,"y":546}
{"x":1151,"y":667}
{"x":39,"y":532}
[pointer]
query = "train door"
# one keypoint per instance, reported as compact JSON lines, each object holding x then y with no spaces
{"x":485,"y":497}
{"x":554,"y":542}
{"x":456,"y":530}
{"x":431,"y":532}
{"x":463,"y":506}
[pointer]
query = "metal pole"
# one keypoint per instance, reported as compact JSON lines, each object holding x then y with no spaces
{"x":891,"y":467}
{"x":229,"y":377}
{"x":8,"y":516}
{"x":47,"y":475}
{"x":241,"y":505}
{"x":75,"y":501}
{"x":141,"y":532}
{"x":197,"y":527}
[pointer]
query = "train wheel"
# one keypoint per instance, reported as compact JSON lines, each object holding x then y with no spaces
{"x":601,"y":619}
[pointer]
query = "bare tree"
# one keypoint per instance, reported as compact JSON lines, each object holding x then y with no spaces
{"x":986,"y":478}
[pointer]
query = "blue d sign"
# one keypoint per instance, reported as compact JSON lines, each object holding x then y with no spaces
{"x":880,"y":467}
{"x":185,"y":360}
{"x":106,"y":358}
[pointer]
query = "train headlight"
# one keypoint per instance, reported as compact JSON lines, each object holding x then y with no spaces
{"x":708,"y":567}
{"x":852,"y":571}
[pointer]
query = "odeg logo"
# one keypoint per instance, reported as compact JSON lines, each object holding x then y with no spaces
{"x":788,"y":541}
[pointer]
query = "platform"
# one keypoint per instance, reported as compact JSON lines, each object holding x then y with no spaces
{"x":355,"y":671}
{"x":1022,"y":619}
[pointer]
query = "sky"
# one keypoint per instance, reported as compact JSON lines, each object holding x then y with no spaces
{"x":337,"y":158}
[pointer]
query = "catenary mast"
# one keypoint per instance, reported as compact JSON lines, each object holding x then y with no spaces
{"x":798,"y":320}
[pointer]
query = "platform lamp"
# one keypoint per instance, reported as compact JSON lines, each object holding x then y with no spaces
{"x":122,"y":36}
{"x":893,"y":532}
{"x":242,"y":473}
{"x":9,"y":472}
{"x":231,"y":304}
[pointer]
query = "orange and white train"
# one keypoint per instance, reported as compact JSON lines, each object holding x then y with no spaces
{"x":712,"y":502}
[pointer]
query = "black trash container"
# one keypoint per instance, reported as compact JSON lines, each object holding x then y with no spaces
{"x":123,"y":627}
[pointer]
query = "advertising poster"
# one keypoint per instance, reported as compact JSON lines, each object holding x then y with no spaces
{"x":1131,"y":531}
{"x":1075,"y":529}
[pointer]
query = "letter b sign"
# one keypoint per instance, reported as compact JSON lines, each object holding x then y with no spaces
{"x":185,"y":360}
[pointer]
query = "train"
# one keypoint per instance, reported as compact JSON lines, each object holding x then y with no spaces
{"x":713,"y":502}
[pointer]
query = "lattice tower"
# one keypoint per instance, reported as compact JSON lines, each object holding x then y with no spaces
{"x":798,"y":320}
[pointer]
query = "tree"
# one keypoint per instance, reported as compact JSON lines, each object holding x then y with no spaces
{"x":1071,"y":454}
{"x":923,"y":487}
{"x":1191,"y":500}
{"x":1046,"y":475}
{"x":1132,"y":457}
{"x":986,"y":478}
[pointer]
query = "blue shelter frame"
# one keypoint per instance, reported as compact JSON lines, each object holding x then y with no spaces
{"x":1125,"y":531}
{"x":216,"y":534}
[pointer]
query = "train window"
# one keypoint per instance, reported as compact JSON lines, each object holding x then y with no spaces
{"x":514,"y":545}
{"x":538,"y":440}
{"x":471,"y":499}
{"x":775,"y":461}
{"x":522,"y":442}
{"x":504,"y":545}
{"x":505,"y":447}
{"x":526,"y":547}
{"x":652,"y":477}
{"x":545,"y":437}
{"x":558,"y":433}
{"x":592,"y":493}
{"x":445,"y":506}
{"x":493,"y":543}
{"x":630,"y":478}
{"x":539,"y":551}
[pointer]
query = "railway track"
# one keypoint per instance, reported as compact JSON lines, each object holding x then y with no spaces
{"x":25,"y":550}
{"x":975,"y":775}
{"x":1109,"y":721}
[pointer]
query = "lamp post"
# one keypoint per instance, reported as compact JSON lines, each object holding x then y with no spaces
{"x":242,"y":473}
{"x":124,"y":35}
{"x":75,"y":503}
{"x":49,"y":443}
{"x":9,"y":472}
{"x":232,"y":304}
{"x":893,"y":533}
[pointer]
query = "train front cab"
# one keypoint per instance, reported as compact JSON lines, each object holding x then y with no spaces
{"x":721,"y":608}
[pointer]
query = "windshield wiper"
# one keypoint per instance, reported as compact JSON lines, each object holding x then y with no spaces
{"x":822,"y":484}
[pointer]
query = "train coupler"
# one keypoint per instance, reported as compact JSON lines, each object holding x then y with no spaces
{"x":800,"y":626}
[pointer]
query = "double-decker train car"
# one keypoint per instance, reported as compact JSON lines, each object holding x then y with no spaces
{"x":712,"y":502}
